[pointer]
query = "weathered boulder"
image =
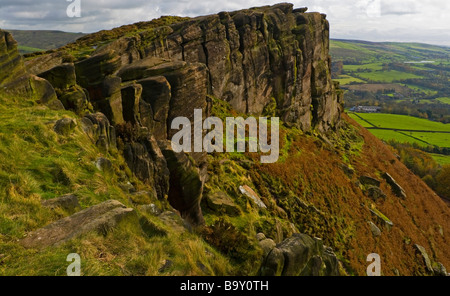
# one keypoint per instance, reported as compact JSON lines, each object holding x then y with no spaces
{"x":67,"y":202}
{"x":104,"y":165}
{"x":382,"y":218}
{"x":99,"y":130}
{"x":376,"y":232}
{"x":375,"y":193}
{"x":439,"y":269}
{"x":186,"y":184}
{"x":396,"y":188}
{"x":426,"y":260}
{"x":45,"y":62}
{"x":65,"y":126}
{"x":75,"y":99}
{"x":247,"y":191}
{"x":61,"y":77}
{"x":101,"y":218}
{"x":220,"y":202}
{"x":366,"y":181}
{"x":299,"y":255}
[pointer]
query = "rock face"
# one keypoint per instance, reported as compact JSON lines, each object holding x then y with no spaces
{"x":186,"y":184}
{"x":99,"y":129}
{"x":147,"y":162}
{"x":100,"y":218}
{"x":11,"y":63}
{"x":15,"y":80}
{"x":298,"y":255}
{"x":251,"y":55}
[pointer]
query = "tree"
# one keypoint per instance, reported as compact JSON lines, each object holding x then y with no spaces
{"x":443,"y":182}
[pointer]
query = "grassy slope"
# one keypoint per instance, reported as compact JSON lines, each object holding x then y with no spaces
{"x":375,"y":52}
{"x":37,"y":164}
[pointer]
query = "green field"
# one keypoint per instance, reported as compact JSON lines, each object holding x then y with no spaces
{"x":394,"y":121}
{"x":441,"y":159}
{"x":444,"y":100}
{"x":387,"y":135}
{"x":437,"y":139}
{"x":27,"y":49}
{"x":346,"y":79}
{"x":387,"y":76}
{"x":372,"y":66}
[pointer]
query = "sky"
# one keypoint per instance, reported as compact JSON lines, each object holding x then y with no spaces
{"x":426,"y":21}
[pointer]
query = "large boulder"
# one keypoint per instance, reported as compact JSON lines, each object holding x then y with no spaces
{"x":100,"y":218}
{"x":60,"y":77}
{"x":67,"y":202}
{"x":299,"y":255}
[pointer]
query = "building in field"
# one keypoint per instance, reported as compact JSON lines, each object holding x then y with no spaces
{"x":366,"y":109}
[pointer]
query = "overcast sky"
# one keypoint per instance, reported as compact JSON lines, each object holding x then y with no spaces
{"x":426,"y":21}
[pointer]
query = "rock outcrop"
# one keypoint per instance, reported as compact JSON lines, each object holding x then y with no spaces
{"x":298,"y":255}
{"x":15,"y":80}
{"x":101,"y":218}
{"x":252,"y":58}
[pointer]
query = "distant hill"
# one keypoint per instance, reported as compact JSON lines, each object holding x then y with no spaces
{"x":358,"y":51}
{"x":39,"y":40}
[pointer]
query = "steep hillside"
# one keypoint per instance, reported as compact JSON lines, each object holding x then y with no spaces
{"x":87,"y":166}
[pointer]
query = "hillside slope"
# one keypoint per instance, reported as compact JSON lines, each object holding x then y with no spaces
{"x":320,"y":210}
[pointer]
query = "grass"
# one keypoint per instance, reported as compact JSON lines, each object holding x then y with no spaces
{"x":441,"y":159}
{"x":37,"y":164}
{"x":27,"y":49}
{"x":435,"y":139}
{"x":370,"y":66}
{"x":346,"y":79}
{"x":387,"y":135}
{"x":445,"y":100}
{"x":394,"y":121}
{"x":387,"y":76}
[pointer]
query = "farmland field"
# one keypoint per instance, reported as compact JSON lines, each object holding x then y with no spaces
{"x":404,"y":122}
{"x":387,"y":76}
{"x":392,"y":126}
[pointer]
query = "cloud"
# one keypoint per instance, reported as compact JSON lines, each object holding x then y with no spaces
{"x":416,"y":20}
